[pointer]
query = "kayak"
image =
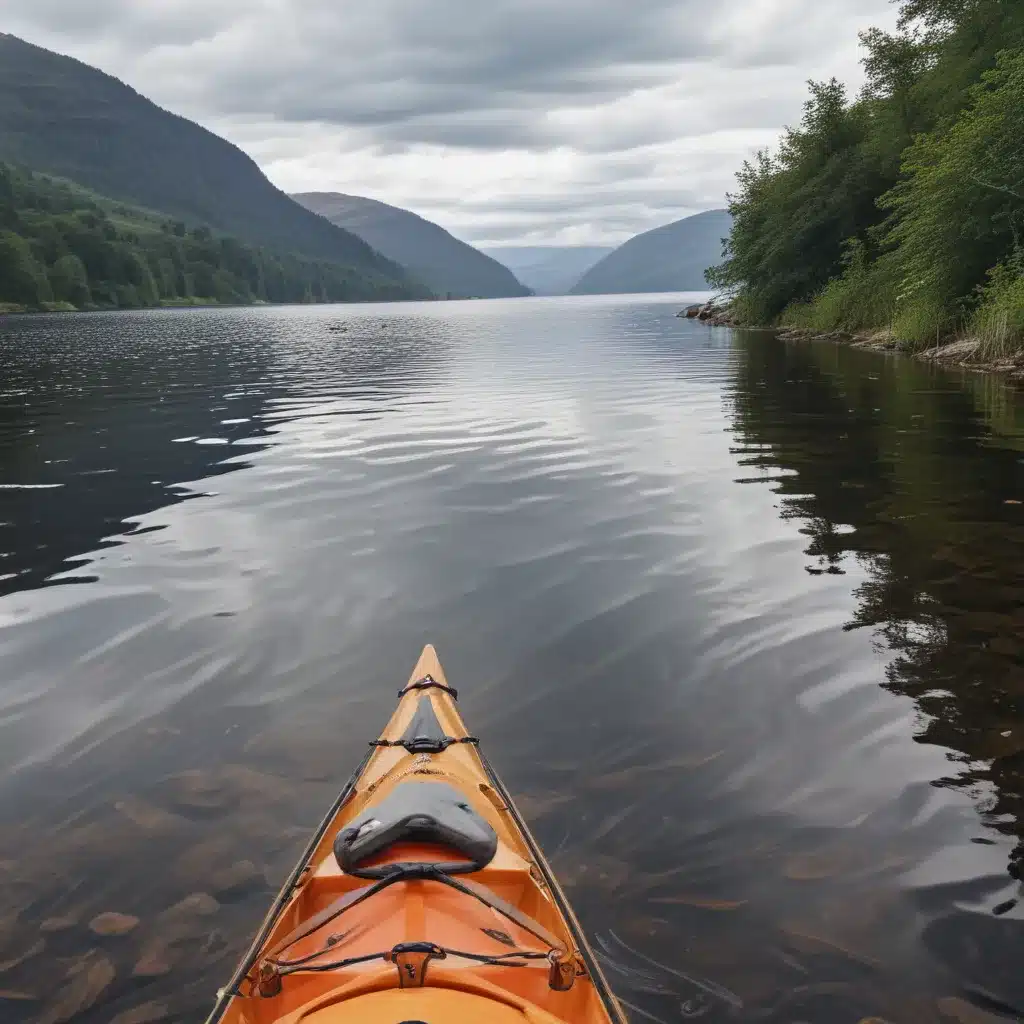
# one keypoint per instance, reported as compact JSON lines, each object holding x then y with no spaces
{"x":422,"y":898}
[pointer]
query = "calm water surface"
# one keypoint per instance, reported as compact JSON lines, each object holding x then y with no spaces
{"x":739,"y":622}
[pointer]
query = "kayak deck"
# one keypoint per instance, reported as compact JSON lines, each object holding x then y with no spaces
{"x":422,"y":897}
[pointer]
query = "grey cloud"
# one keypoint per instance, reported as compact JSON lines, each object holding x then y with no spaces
{"x":638,"y":93}
{"x":117,"y":23}
{"x":607,"y":197}
{"x":415,"y":66}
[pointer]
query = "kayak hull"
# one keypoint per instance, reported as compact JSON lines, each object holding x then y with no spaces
{"x":422,"y":896}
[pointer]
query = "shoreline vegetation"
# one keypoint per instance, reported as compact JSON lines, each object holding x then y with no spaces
{"x":962,"y":352}
{"x":187,"y":301}
{"x":64,"y":248}
{"x":895,"y":220}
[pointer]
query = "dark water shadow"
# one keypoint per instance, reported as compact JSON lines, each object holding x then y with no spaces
{"x":914,"y":475}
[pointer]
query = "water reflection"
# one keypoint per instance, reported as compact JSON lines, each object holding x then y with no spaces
{"x":160,"y":400}
{"x":896,"y":465}
{"x":915,"y":474}
{"x":604,"y":517}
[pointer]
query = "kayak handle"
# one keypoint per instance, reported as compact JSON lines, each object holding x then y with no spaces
{"x":412,"y":960}
{"x":427,"y":683}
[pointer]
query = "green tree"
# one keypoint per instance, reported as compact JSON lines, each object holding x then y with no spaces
{"x":904,"y":207}
{"x":795,"y":210}
{"x":69,"y":280}
{"x":140,"y":259}
{"x":960,"y":209}
{"x":22,"y":278}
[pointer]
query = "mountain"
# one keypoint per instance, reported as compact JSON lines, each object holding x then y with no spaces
{"x":671,"y":258}
{"x":549,"y":269}
{"x":432,"y":255}
{"x":64,"y":247}
{"x":62,"y":117}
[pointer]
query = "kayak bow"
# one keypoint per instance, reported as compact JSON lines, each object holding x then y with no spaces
{"x":422,"y":897}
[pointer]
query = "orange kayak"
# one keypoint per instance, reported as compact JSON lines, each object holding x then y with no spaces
{"x":422,"y":898}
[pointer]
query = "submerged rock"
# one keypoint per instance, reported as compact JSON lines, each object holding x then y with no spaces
{"x":16,"y":996}
{"x":60,"y":924}
{"x":198,"y":790}
{"x":240,"y":877}
{"x":199,"y":863}
{"x":88,"y":980}
{"x":34,"y":950}
{"x":156,"y":960}
{"x":177,"y":929}
{"x":200,"y":904}
{"x":150,"y":819}
{"x":111,"y":923}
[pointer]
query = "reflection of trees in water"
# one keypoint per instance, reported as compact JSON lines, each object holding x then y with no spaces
{"x":889,"y":463}
{"x":93,"y":403}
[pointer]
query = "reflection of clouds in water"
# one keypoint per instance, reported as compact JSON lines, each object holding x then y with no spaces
{"x":523,"y":450}
{"x":547,"y":490}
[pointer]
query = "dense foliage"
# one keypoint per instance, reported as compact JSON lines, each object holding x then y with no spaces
{"x":902,"y":208}
{"x":61,"y":245}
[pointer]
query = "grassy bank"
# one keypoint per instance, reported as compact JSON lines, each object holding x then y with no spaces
{"x":803,"y":323}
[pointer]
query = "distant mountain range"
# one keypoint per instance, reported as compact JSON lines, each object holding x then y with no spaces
{"x":62,"y":117}
{"x":671,"y":258}
{"x":549,"y":269}
{"x":448,"y":266}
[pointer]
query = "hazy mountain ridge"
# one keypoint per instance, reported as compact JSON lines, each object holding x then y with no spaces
{"x":549,"y":269}
{"x":431,"y":254}
{"x":667,"y":259}
{"x":63,"y":117}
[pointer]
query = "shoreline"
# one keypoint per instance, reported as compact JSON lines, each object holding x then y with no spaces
{"x":960,"y":353}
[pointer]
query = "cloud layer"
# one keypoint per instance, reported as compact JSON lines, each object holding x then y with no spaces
{"x":508,"y":121}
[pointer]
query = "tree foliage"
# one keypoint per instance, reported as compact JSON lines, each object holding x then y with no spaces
{"x":905,"y":205}
{"x":59,"y":243}
{"x":64,"y":118}
{"x":797,"y":209}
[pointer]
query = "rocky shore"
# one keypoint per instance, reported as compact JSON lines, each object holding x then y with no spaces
{"x":965,"y":353}
{"x":714,"y":314}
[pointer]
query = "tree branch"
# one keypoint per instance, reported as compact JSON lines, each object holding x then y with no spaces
{"x":996,"y":188}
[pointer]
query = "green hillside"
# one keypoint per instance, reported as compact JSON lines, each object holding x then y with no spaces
{"x":62,"y":117}
{"x":901,"y":208}
{"x":61,"y":247}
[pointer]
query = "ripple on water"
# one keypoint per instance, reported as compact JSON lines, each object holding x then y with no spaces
{"x":640,"y":547}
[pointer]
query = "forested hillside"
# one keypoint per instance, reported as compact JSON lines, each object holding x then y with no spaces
{"x":903,"y":207}
{"x":62,"y":247}
{"x":62,"y":117}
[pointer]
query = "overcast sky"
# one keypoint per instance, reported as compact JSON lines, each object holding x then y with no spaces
{"x":507,"y":121}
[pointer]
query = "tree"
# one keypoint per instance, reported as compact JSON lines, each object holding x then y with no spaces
{"x":69,"y":281}
{"x":960,"y":209}
{"x":140,"y":259}
{"x":796,"y":210}
{"x":22,"y":278}
{"x":904,"y":208}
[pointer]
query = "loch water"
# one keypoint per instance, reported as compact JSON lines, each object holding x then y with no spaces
{"x":738,"y":621}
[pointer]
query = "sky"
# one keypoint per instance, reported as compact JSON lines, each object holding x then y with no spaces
{"x":509,"y":122}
